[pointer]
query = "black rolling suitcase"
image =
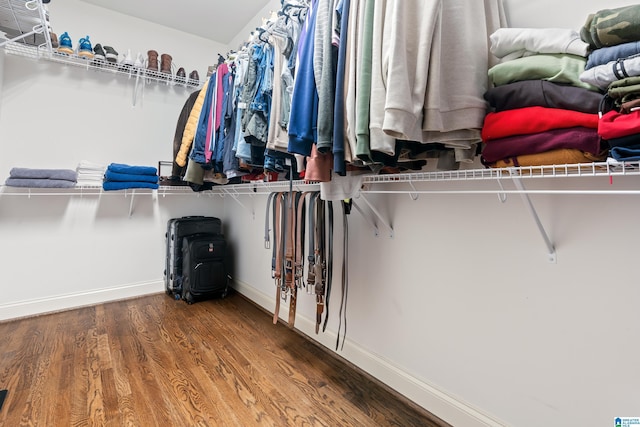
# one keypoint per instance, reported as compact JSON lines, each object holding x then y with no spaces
{"x":177,"y":229}
{"x":204,"y":272}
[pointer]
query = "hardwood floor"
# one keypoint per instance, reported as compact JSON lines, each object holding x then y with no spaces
{"x":152,"y":361}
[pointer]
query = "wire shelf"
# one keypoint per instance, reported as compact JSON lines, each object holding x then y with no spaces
{"x":602,"y":169}
{"x":24,"y":22}
{"x":145,"y":75}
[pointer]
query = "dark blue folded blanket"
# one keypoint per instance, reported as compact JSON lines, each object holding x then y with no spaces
{"x":626,"y":154}
{"x":30,"y":173}
{"x":117,"y":185}
{"x":123,"y":177}
{"x":133,"y":170}
{"x":39,"y":183}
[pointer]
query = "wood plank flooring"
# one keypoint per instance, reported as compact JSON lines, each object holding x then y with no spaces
{"x":152,"y":361}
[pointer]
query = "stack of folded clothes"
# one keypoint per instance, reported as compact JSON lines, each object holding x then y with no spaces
{"x":119,"y":176}
{"x":41,"y":178}
{"x":541,"y":112}
{"x":614,"y":66}
{"x":90,"y":174}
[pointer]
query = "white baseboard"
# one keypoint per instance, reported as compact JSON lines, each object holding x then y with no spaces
{"x":443,"y":405}
{"x":37,"y":306}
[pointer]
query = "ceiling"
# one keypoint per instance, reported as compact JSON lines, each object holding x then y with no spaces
{"x":216,"y":20}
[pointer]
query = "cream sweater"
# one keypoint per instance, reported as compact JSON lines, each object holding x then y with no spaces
{"x":429,"y":69}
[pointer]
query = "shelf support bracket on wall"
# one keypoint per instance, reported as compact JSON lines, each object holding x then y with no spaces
{"x":551,"y":250}
{"x":132,"y":194}
{"x":366,"y":218}
{"x":376,"y":213}
{"x":235,"y":196}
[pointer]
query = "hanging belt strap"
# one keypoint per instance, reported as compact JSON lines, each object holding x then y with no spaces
{"x":267,"y":230}
{"x":290,"y":251}
{"x":320,"y":266}
{"x":329,"y":263}
{"x":300,"y":232}
{"x":279,"y":236}
{"x":342,"y":315}
{"x":311,"y":258}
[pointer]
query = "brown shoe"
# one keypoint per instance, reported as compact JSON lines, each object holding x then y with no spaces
{"x":54,"y":40}
{"x":194,"y":78}
{"x":165,"y":63}
{"x":181,"y":76}
{"x":152,"y":63}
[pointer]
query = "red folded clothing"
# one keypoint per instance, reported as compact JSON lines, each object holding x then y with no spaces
{"x":528,"y":120}
{"x":617,"y":125}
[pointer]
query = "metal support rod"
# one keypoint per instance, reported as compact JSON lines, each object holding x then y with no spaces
{"x":234,"y":196}
{"x":377,"y":214}
{"x":133,"y":194}
{"x":551,"y":250}
{"x":366,"y":218}
{"x":502,"y":196}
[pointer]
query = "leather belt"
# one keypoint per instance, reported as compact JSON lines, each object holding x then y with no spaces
{"x":286,"y":212}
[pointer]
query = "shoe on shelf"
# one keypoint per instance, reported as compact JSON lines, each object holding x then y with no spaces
{"x":54,"y":40}
{"x":181,"y":76}
{"x":255,"y":175}
{"x":165,"y":63}
{"x":127,"y":61}
{"x":194,"y":78}
{"x":85,"y":50}
{"x":111,"y":54}
{"x":64,"y":44}
{"x":139,"y":62}
{"x":152,"y":61}
{"x":98,"y":53}
{"x":270,"y":176}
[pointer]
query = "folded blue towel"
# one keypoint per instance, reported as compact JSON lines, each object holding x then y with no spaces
{"x":39,"y":183}
{"x":115,"y":176}
{"x":30,"y":173}
{"x":115,"y":185}
{"x":134,"y":170}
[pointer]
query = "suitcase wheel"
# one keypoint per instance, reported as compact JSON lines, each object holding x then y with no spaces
{"x":188,"y":298}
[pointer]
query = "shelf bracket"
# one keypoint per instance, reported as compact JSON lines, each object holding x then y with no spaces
{"x":235,"y":196}
{"x":133,"y":194}
{"x":376,"y":213}
{"x":366,"y":218}
{"x":551,"y":250}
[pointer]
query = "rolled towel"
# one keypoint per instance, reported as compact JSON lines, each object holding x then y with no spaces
{"x":29,"y":173}
{"x":132,"y":169}
{"x":124,"y":177}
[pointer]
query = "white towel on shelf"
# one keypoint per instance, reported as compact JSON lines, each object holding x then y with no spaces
{"x":90,"y":174}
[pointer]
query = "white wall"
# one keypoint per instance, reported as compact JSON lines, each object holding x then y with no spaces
{"x":59,"y":252}
{"x":256,"y":21}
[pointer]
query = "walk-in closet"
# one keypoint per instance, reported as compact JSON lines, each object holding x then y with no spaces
{"x":430,"y":212}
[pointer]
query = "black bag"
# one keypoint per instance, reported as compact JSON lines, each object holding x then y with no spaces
{"x":177,"y":229}
{"x":204,"y":272}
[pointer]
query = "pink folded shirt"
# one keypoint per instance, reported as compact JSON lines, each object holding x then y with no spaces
{"x":617,"y":125}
